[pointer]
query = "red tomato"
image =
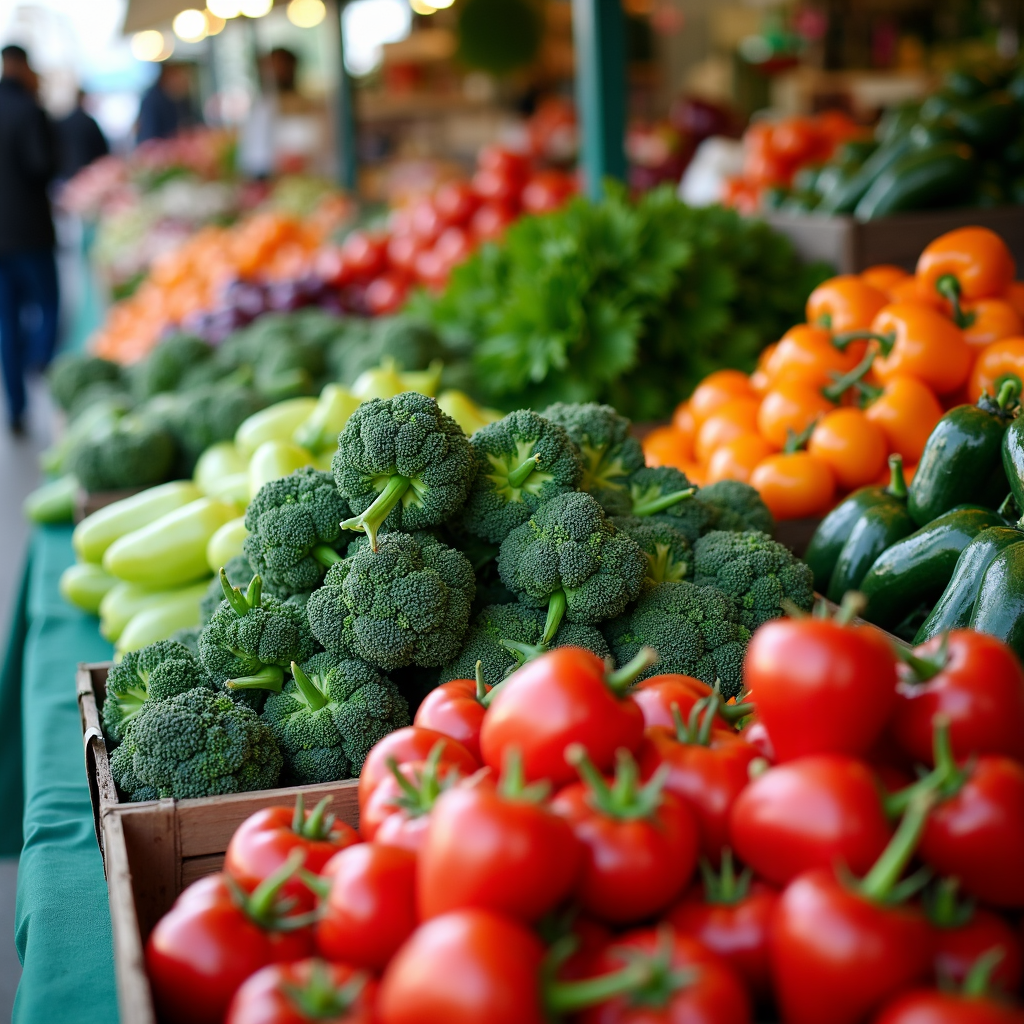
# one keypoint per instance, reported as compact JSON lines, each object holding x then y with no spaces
{"x":282,"y":994}
{"x":640,"y":844}
{"x":330,"y":266}
{"x":431,"y":269}
{"x":365,"y":254}
{"x":206,"y":945}
{"x":402,"y":252}
{"x":465,"y":967}
{"x":454,"y":246}
{"x":973,"y":679}
{"x":496,"y":847}
{"x":926,"y":1006}
{"x":425,"y":222}
{"x":386,"y":294}
{"x":490,"y":221}
{"x":820,"y":686}
{"x":456,"y":202}
{"x":957,"y":947}
{"x":497,"y":187}
{"x":565,"y":696}
{"x":757,"y":736}
{"x":370,"y":909}
{"x":977,"y":834}
{"x":657,"y":694}
{"x":412,"y":743}
{"x":503,"y":161}
{"x":702,"y":989}
{"x":455,"y":709}
{"x":810,"y":813}
{"x":732,"y":917}
{"x":546,"y":191}
{"x":837,"y":956}
{"x":707,"y":774}
{"x":265,"y":840}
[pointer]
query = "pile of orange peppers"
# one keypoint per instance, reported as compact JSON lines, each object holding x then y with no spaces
{"x":882,"y":355}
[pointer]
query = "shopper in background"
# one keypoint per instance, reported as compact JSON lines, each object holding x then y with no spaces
{"x":80,"y":140}
{"x":165,"y":108}
{"x":28,"y":270}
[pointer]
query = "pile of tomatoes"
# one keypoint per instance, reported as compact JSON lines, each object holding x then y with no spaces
{"x":426,"y":239}
{"x":882,"y":355}
{"x":570,"y":846}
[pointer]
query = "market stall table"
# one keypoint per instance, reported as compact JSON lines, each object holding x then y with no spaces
{"x":62,"y":920}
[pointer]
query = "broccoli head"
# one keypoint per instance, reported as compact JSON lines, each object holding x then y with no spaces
{"x":198,"y":743}
{"x":739,"y":506}
{"x":252,"y":638}
{"x":504,"y":636}
{"x":569,"y":559}
{"x":167,"y":364}
{"x":522,"y":461}
{"x":696,"y":631}
{"x":239,"y":573}
{"x":71,"y":374}
{"x":755,"y":571}
{"x":406,"y":603}
{"x":329,"y":715}
{"x":402,"y":464}
{"x":664,"y":493}
{"x":188,"y":637}
{"x":609,"y":454}
{"x":294,"y":526}
{"x":128,"y":452}
{"x":155,"y":672}
{"x":668,"y":552}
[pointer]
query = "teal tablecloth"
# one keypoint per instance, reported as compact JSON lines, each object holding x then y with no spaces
{"x":62,"y":918}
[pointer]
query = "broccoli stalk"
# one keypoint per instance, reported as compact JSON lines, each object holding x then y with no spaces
{"x":650,"y":500}
{"x":371,"y":520}
{"x":270,"y":677}
{"x":666,"y":549}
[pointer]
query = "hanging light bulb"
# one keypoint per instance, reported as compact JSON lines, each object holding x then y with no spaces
{"x":256,"y":8}
{"x":422,"y":7}
{"x":214,"y":25}
{"x":306,"y":13}
{"x":224,"y":8}
{"x":190,"y":25}
{"x":151,"y":45}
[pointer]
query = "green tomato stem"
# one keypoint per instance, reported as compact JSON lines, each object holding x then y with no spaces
{"x":518,"y":477}
{"x":620,"y":680}
{"x":976,"y":984}
{"x":318,"y":999}
{"x":260,"y":904}
{"x":925,"y":667}
{"x":370,"y":521}
{"x":651,"y":508}
{"x":318,"y":824}
{"x":725,"y":887}
{"x":270,"y":677}
{"x":881,"y":881}
{"x":481,"y":686}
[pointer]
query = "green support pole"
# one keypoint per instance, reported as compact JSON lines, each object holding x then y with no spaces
{"x":599,"y":35}
{"x":345,"y":130}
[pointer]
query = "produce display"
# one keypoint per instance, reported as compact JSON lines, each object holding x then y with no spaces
{"x":570,"y":844}
{"x":868,"y":376}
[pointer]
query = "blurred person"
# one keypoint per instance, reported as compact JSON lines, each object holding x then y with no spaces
{"x":28,"y":270}
{"x":80,"y":140}
{"x":166,"y":106}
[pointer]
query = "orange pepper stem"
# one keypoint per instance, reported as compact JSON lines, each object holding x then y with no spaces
{"x":797,"y":442}
{"x":885,"y":341}
{"x":949,"y":288}
{"x":834,"y":392}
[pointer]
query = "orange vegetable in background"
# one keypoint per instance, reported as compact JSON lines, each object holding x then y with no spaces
{"x":794,"y":485}
{"x":844,"y":303}
{"x":806,"y":354}
{"x":666,"y":446}
{"x":737,"y":459}
{"x":994,"y":363}
{"x":906,"y":410}
{"x":969,"y":263}
{"x":759,"y":380}
{"x":851,"y":445}
{"x":715,"y":390}
{"x":683,"y":421}
{"x":789,"y":408}
{"x":910,"y":289}
{"x":991,"y":320}
{"x":884,"y":276}
{"x":730,"y":420}
{"x":1014,"y":295}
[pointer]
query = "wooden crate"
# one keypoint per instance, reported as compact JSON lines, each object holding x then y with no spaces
{"x":851,"y":245}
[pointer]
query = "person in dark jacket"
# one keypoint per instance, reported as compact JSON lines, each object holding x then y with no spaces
{"x":81,"y":140}
{"x":165,"y":107}
{"x":28,"y":270}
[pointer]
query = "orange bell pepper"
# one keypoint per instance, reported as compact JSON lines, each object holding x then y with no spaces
{"x":806,"y":354}
{"x":729,"y":421}
{"x":715,"y":390}
{"x":788,"y":409}
{"x":1014,"y":295}
{"x":844,"y":303}
{"x":906,"y":410}
{"x":990,"y":320}
{"x":851,"y":446}
{"x":794,"y":485}
{"x":996,"y":363}
{"x":737,"y":459}
{"x":884,"y":276}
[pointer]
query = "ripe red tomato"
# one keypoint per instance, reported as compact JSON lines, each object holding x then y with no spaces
{"x":927,"y":1006}
{"x":456,"y":202}
{"x":330,"y":266}
{"x":497,"y":187}
{"x":411,"y":743}
{"x":370,"y":909}
{"x":496,"y":847}
{"x":488,"y":224}
{"x":503,"y":161}
{"x":565,"y":696}
{"x":657,"y":694}
{"x":265,"y":840}
{"x":365,"y":254}
{"x":206,"y":945}
{"x":464,"y":968}
{"x":977,"y":834}
{"x":455,"y":709}
{"x":976,"y":681}
{"x":386,"y":294}
{"x":733,"y":921}
{"x":957,"y":947}
{"x":425,"y":222}
{"x":837,"y":957}
{"x":402,"y":252}
{"x":821,"y":687}
{"x":640,"y":843}
{"x":280,"y":993}
{"x":810,"y":813}
{"x":545,"y":191}
{"x":431,"y":269}
{"x":705,"y":991}
{"x":708,"y":777}
{"x":454,"y":246}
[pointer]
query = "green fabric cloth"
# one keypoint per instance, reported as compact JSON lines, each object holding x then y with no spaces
{"x":62,"y":925}
{"x":12,"y":804}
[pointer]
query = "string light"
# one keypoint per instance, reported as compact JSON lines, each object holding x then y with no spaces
{"x":190,"y":25}
{"x":422,"y":7}
{"x":306,"y":13}
{"x":225,"y":9}
{"x":214,"y":25}
{"x":255,"y":8}
{"x":150,"y":45}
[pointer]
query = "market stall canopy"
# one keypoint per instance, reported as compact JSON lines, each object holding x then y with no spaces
{"x":143,"y":14}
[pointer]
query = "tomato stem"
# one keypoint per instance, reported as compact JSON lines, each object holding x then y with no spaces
{"x":625,"y":799}
{"x":1009,"y":393}
{"x":880,"y":884}
{"x":263,"y":905}
{"x":797,"y":442}
{"x":481,"y":686}
{"x":622,"y":679}
{"x":944,"y":779}
{"x":419,"y":794}
{"x":976,"y":983}
{"x":942,"y":906}
{"x":512,"y":784}
{"x":317,"y":826}
{"x":925,"y":667}
{"x":319,"y":999}
{"x":696,"y":731}
{"x":852,"y":604}
{"x":725,"y":887}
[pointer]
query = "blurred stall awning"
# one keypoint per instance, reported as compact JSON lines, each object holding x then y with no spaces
{"x":144,"y":14}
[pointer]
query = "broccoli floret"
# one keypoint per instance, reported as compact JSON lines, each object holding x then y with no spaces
{"x":239,"y":573}
{"x":252,"y":638}
{"x":280,"y":362}
{"x":695,"y":630}
{"x":610,"y":455}
{"x":198,"y":743}
{"x":522,"y":461}
{"x":739,"y":505}
{"x":294,"y":526}
{"x":406,"y":603}
{"x":668,"y":552}
{"x":572,"y":561}
{"x":165,"y":367}
{"x":402,"y":464}
{"x":155,"y":672}
{"x":755,"y":571}
{"x":126,"y":453}
{"x":522,"y":629}
{"x":71,"y":373}
{"x":330,"y":714}
{"x":188,"y":637}
{"x":664,"y":493}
